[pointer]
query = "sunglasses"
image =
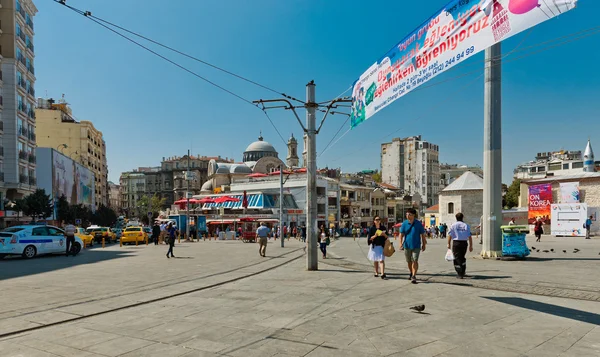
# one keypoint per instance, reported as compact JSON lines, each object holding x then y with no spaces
{"x":377,"y":219}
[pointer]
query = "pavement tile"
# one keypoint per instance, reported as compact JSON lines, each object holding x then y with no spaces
{"x":118,"y":346}
{"x":158,"y":350}
{"x":205,"y":345}
{"x":86,"y":338}
{"x":56,"y":349}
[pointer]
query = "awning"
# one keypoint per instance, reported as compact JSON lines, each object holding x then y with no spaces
{"x":255,"y":201}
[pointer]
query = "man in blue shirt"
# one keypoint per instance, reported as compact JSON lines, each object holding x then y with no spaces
{"x":412,"y":241}
{"x":588,"y":227}
{"x":459,"y":234}
{"x":262,"y":233}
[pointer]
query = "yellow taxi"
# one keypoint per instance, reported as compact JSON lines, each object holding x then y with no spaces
{"x":102,"y":232}
{"x":87,"y":238}
{"x":134,"y":234}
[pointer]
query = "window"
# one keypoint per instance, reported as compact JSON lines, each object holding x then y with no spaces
{"x":565,"y":166}
{"x":533,"y":169}
{"x":54,"y":231}
{"x":28,"y":85}
{"x":450,"y":207}
{"x":19,"y":54}
{"x":20,"y":102}
{"x":19,"y":77}
{"x":554,"y":166}
{"x":21,"y":125}
{"x":18,"y":30}
{"x":577,"y":165}
{"x":541,"y":169}
{"x":40,"y":231}
{"x":21,"y":147}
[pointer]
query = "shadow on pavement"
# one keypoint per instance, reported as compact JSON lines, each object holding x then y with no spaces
{"x":537,"y":259}
{"x":343,"y":271}
{"x":555,"y":310}
{"x":18,"y":267}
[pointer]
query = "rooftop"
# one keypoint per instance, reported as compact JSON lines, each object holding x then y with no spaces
{"x":578,"y":176}
{"x":467,"y":181}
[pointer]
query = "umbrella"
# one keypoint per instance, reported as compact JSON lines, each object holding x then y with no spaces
{"x":245,"y":200}
{"x":224,"y":199}
{"x":257,"y":174}
{"x":300,"y":170}
{"x":285,"y":172}
{"x":206,"y":200}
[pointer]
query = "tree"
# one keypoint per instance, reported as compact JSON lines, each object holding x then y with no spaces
{"x":104,"y":216}
{"x":512,"y":194}
{"x":149,"y":204}
{"x":81,"y":212}
{"x":19,"y":207}
{"x":377,"y":177}
{"x":38,"y":205}
{"x":63,"y":210}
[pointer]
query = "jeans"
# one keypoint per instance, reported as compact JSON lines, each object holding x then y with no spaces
{"x":171,"y":245}
{"x":70,"y":241}
{"x":323,"y":247}
{"x":459,"y":249}
{"x":587,"y":232}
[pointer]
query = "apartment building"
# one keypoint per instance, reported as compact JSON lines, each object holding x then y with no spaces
{"x":79,"y":140}
{"x":17,"y":100}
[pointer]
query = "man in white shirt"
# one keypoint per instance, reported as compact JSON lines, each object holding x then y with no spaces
{"x":458,"y":235}
{"x":70,"y":230}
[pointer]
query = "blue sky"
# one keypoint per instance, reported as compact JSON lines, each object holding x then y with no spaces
{"x":149,"y":109}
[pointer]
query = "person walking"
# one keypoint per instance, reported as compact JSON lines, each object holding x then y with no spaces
{"x":262,"y":236}
{"x":155,"y":233}
{"x":376,"y":242}
{"x":588,"y":227}
{"x":70,"y":236}
{"x":412,"y":241}
{"x":171,"y":235}
{"x":459,"y":234}
{"x":538,"y":230}
{"x":323,"y":235}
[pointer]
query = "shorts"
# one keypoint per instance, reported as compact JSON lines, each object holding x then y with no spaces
{"x":262,"y":241}
{"x":412,"y":255}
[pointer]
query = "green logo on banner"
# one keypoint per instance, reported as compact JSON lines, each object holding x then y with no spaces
{"x":370,"y":94}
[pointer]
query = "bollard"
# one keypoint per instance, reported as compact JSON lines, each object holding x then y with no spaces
{"x":146,"y":240}
{"x":83,"y":244}
{"x":136,"y":242}
{"x":102,"y":242}
{"x":179,"y":239}
{"x":204,"y":237}
{"x":121,"y":241}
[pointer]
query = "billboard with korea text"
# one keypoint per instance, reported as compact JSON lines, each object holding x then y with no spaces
{"x":459,"y":30}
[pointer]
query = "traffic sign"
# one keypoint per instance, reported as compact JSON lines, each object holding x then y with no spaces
{"x":78,"y":222}
{"x":150,"y":214}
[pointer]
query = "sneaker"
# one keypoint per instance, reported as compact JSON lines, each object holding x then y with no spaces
{"x":414,"y":280}
{"x":410,"y":277}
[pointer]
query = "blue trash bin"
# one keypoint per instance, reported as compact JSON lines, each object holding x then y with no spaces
{"x":514,"y":243}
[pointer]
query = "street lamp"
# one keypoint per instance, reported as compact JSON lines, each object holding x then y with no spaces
{"x":64,"y":146}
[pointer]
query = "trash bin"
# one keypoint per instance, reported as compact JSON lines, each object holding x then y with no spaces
{"x":514,"y":243}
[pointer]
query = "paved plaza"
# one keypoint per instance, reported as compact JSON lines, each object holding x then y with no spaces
{"x":222,"y":299}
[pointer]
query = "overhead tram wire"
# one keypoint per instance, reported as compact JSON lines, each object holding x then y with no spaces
{"x":177,"y":65}
{"x":88,"y":14}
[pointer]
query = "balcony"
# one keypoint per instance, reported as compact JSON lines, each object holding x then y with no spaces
{"x":1,"y":151}
{"x":21,"y":35}
{"x":32,"y":181}
{"x":32,"y":158}
{"x":1,"y":100}
{"x":29,"y":23}
{"x":31,"y":113}
{"x":30,"y":69}
{"x":30,"y":46}
{"x":23,"y":132}
{"x":31,"y":91}
{"x":23,"y":179}
{"x":1,"y":75}
{"x":21,"y":59}
{"x":22,"y":84}
{"x":23,"y":155}
{"x":1,"y":126}
{"x":32,"y":137}
{"x":1,"y":176}
{"x":21,"y":11}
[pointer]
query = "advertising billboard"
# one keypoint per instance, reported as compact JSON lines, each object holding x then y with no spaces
{"x":569,"y":192}
{"x":74,"y":181}
{"x":568,"y":219}
{"x":540,"y":199}
{"x":452,"y":35}
{"x":85,"y":183}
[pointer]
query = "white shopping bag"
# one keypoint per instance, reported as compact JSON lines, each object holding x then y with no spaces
{"x":449,"y":255}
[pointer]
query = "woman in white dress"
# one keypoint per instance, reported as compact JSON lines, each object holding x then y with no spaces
{"x":376,"y":241}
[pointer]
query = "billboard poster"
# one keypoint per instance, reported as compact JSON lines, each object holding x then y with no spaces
{"x":568,"y":219}
{"x":85,"y":183}
{"x":452,"y":35}
{"x":64,"y":180}
{"x":569,"y":192}
{"x":540,"y":199}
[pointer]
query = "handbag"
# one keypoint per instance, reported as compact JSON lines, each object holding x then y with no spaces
{"x":327,"y":241}
{"x":388,"y":249}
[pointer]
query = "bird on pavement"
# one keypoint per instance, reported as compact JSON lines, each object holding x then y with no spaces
{"x":564,"y":251}
{"x":546,"y":251}
{"x":532,"y":247}
{"x":538,"y":250}
{"x":418,"y":308}
{"x":552,"y":250}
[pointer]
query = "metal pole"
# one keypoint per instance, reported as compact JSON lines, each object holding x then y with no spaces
{"x":312,"y":262}
{"x":187,"y":196}
{"x":281,"y":204}
{"x":492,"y":154}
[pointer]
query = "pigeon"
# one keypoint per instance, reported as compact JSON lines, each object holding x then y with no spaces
{"x":564,"y":251}
{"x":538,"y":250}
{"x":532,"y":247}
{"x":576,"y":249}
{"x":418,"y":308}
{"x":552,"y":250}
{"x":546,"y":251}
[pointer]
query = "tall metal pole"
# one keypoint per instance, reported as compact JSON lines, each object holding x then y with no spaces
{"x":492,"y":154}
{"x":312,"y":262}
{"x":281,"y":204}
{"x":187,"y":196}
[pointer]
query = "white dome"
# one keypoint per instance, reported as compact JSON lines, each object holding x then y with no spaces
{"x":259,"y":149}
{"x":240,"y":169}
{"x":260,"y":146}
{"x":222,"y":169}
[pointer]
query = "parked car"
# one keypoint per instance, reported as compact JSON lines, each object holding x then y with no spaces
{"x":87,"y":238}
{"x":32,"y":240}
{"x":102,"y":232}
{"x":133,"y":234}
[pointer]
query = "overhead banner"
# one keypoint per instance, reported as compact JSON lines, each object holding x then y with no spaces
{"x":452,"y":35}
{"x":540,"y":200}
{"x":569,"y":192}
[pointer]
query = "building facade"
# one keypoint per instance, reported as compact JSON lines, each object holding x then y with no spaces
{"x":81,"y":141}
{"x":17,"y":100}
{"x":464,"y":195}
{"x":412,"y":165}
{"x":557,"y":163}
{"x":114,"y":196}
{"x":450,"y":172}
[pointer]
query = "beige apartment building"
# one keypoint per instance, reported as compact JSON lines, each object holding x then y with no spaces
{"x":17,"y":100}
{"x":80,"y":140}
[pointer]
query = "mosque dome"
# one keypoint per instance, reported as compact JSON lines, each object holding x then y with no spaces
{"x":259,"y":149}
{"x":240,"y":169}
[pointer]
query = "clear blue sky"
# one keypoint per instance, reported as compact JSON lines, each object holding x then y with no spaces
{"x":148,"y":109}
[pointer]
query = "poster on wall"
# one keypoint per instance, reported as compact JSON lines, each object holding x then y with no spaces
{"x":540,"y":199}
{"x":85,"y":183}
{"x":568,"y":219}
{"x":569,"y":192}
{"x":450,"y":37}
{"x":64,"y":181}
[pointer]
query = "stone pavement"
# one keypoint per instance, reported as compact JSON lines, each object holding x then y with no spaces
{"x":285,"y":310}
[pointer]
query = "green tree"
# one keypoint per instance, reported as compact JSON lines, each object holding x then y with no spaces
{"x":63,"y":210}
{"x":377,"y":177}
{"x":19,"y":206}
{"x":149,"y":204}
{"x":104,"y":216}
{"x":81,"y":212}
{"x":38,"y":205}
{"x":512,"y":194}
